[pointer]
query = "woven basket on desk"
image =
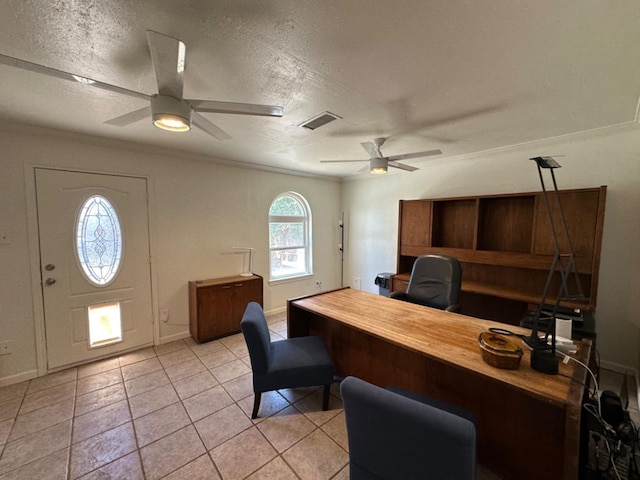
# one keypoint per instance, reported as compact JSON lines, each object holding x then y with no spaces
{"x":499,"y":351}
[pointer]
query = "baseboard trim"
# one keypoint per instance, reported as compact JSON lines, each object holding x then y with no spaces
{"x":275,"y":311}
{"x":618,"y":368}
{"x":175,"y":337}
{"x":18,"y":378}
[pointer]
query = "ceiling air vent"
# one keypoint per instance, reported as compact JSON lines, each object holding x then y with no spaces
{"x":319,"y":120}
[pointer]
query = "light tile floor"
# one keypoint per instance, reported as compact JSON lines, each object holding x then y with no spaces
{"x":176,"y":411}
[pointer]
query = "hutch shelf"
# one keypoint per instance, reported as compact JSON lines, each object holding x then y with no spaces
{"x":505,"y":246}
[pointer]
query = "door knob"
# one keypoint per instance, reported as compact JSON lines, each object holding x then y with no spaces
{"x":50,"y":281}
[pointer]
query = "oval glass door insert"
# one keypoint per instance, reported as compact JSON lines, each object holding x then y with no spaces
{"x":99,"y":240}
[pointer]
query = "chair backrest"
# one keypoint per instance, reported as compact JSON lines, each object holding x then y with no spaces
{"x":435,"y":281}
{"x":256,"y":334}
{"x":392,"y":436}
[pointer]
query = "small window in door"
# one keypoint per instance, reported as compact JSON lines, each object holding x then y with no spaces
{"x":105,"y":324}
{"x":99,"y":240}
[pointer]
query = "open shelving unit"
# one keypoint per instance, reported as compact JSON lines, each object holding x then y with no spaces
{"x":505,"y":246}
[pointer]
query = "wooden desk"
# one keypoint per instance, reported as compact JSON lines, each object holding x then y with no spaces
{"x":528,"y":423}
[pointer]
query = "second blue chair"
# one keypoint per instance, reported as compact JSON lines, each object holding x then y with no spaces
{"x":400,"y":435}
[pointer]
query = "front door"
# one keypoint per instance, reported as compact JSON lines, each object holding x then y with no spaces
{"x":95,"y":265}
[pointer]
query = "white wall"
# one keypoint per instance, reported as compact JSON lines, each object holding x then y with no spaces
{"x":199,"y":209}
{"x":609,"y":157}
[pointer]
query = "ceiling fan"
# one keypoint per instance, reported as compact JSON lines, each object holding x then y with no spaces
{"x":378,"y":164}
{"x":168,"y":109}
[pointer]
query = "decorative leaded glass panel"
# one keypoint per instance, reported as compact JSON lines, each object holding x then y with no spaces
{"x":286,"y":205}
{"x":99,"y":240}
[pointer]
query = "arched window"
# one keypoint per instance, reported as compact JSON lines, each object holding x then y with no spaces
{"x":289,"y":237}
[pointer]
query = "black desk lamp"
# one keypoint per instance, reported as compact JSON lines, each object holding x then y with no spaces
{"x":543,"y":354}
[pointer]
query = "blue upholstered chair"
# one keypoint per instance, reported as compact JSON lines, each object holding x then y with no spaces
{"x":290,"y":363}
{"x":395,"y":435}
{"x":435,"y":282}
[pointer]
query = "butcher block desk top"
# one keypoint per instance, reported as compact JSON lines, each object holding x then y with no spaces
{"x":448,"y":343}
{"x":448,"y":337}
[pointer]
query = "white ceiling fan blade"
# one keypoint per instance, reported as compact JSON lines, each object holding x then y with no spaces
{"x":402,"y":166}
{"x":52,"y":72}
{"x":342,"y":161}
{"x":131,"y":117}
{"x":406,"y":156}
{"x":371,"y":149}
{"x":168,"y":58}
{"x":211,"y":106}
{"x":208,"y":127}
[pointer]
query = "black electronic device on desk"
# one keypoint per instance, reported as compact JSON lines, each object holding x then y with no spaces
{"x":583,"y":323}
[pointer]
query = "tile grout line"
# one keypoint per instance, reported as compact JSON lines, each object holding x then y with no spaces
{"x":133,"y":426}
{"x":13,"y":425}
{"x":192,"y":423}
{"x":73,"y":423}
{"x":17,"y":415}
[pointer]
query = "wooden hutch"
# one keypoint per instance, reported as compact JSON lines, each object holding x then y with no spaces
{"x":505,"y":246}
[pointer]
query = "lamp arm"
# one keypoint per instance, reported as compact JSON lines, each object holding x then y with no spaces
{"x":248,"y":250}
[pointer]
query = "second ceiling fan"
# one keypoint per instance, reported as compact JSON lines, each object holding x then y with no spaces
{"x":378,"y":164}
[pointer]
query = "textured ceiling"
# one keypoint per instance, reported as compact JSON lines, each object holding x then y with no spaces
{"x":460,"y":76}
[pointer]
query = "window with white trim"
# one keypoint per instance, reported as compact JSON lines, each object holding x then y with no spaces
{"x":289,"y":237}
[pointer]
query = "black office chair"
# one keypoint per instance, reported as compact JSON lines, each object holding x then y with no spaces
{"x":393,"y":436}
{"x":435,"y":282}
{"x":290,"y":363}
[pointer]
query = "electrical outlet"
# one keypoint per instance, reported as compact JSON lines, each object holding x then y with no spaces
{"x":6,"y":348}
{"x":164,"y":315}
{"x":357,"y":283}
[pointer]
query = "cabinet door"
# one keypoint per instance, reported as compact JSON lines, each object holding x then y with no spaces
{"x":415,"y":223}
{"x":215,"y":311}
{"x":243,"y":293}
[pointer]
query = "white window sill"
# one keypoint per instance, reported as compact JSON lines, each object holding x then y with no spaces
{"x":297,"y":278}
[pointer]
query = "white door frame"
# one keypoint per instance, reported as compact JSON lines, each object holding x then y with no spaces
{"x":35,"y":260}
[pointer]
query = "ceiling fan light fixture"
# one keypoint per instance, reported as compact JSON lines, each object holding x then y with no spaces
{"x":171,"y":114}
{"x":378,"y":166}
{"x":171,"y":123}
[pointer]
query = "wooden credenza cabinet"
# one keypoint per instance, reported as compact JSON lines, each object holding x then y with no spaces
{"x":505,"y":246}
{"x":216,"y":305}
